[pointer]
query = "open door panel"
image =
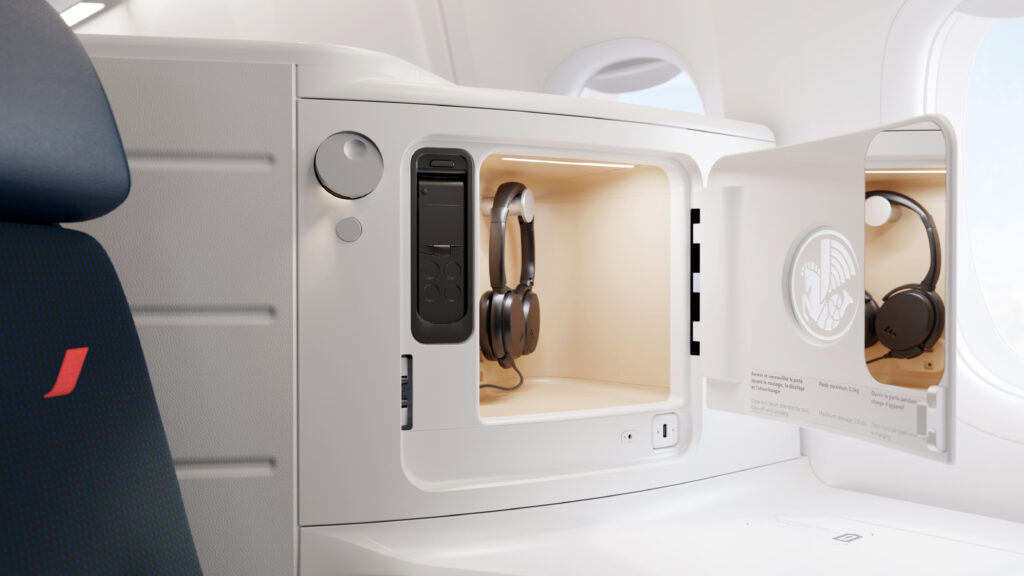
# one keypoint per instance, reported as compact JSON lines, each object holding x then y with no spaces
{"x":789,"y":332}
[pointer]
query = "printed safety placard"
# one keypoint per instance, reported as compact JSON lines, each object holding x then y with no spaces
{"x":887,"y":413}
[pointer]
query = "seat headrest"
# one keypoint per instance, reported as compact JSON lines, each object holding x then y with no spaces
{"x":61,"y":158}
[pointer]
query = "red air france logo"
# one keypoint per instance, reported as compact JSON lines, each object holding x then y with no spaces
{"x":70,"y":369}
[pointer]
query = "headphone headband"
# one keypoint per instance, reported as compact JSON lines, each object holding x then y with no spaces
{"x":931,"y":278}
{"x":507,"y":193}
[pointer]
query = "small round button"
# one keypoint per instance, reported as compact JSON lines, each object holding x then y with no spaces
{"x":452,"y":270}
{"x":431,"y":292}
{"x":349,"y":229}
{"x":430,"y":270}
{"x":452,"y":293}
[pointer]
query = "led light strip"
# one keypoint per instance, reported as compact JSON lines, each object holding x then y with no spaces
{"x":570,"y":163}
{"x":936,"y":171}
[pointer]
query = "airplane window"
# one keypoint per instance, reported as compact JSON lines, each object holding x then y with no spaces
{"x":993,"y":151}
{"x":632,"y":70}
{"x":677,"y":93}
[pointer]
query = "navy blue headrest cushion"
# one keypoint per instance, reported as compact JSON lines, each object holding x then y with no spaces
{"x":61,"y":158}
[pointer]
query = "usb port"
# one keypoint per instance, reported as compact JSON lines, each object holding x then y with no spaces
{"x":406,"y":413}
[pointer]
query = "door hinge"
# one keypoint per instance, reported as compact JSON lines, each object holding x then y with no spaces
{"x":931,"y":419}
{"x":406,"y":411}
{"x":694,"y":279}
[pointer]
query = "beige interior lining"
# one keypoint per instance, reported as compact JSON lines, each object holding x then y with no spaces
{"x":897,"y":253}
{"x":602,"y":253}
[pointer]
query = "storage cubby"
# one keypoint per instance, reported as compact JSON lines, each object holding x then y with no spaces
{"x":603,"y":276}
{"x":897,"y":253}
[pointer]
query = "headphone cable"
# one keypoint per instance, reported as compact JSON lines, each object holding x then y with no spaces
{"x":889,"y":355}
{"x":507,"y":388}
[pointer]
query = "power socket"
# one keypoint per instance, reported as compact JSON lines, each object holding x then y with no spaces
{"x":665,"y":430}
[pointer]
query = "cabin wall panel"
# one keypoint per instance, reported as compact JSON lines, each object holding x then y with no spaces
{"x":807,"y":69}
{"x":204,"y":246}
{"x":407,"y":29}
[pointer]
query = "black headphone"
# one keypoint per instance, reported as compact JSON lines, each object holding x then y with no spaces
{"x":912,"y":316}
{"x":510,"y":319}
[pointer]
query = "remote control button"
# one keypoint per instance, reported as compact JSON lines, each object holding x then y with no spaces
{"x":452,"y":293}
{"x":431,"y":292}
{"x":430,"y":270}
{"x":452,"y":270}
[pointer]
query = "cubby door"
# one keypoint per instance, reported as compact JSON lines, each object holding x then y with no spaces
{"x":782,"y":287}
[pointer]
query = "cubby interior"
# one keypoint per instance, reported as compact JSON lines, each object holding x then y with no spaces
{"x":896,"y":253}
{"x":603,"y":276}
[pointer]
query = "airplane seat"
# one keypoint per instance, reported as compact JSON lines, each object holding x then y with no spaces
{"x":87,"y":485}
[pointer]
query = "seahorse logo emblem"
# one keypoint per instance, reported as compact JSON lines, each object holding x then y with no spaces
{"x":820,"y":285}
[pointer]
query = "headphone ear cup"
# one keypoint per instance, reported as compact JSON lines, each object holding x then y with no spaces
{"x":485,"y":326}
{"x":906,"y":321}
{"x":940,"y":320}
{"x":531,"y":312}
{"x":495,"y":328}
{"x":512,"y":327}
{"x":870,"y":313}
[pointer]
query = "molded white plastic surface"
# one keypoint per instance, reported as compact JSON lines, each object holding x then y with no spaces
{"x":760,"y":361}
{"x":345,"y":73}
{"x":355,"y":297}
{"x":775,"y":520}
{"x":231,"y":240}
{"x":990,"y":438}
